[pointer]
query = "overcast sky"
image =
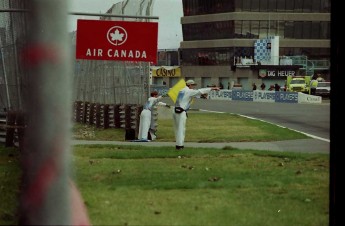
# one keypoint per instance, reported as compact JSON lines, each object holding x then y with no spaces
{"x":168,"y":11}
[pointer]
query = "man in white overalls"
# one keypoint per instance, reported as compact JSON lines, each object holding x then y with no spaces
{"x":146,"y":116}
{"x":182,"y":104}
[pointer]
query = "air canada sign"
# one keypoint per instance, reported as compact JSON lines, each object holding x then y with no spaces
{"x":117,"y":40}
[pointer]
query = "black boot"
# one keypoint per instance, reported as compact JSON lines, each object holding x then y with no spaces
{"x":179,"y":147}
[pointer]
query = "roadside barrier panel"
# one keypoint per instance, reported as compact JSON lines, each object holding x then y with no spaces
{"x":78,"y":111}
{"x":92,"y":114}
{"x":117,"y":115}
{"x":86,"y":109}
{"x":10,"y":128}
{"x":21,"y":125}
{"x":128,"y":116}
{"x":98,"y":115}
{"x":138,"y":109}
{"x":106,"y":116}
{"x":3,"y":116}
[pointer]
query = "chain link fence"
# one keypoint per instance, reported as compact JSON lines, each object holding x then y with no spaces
{"x":105,"y":82}
{"x":95,"y":82}
{"x":110,"y":82}
{"x":13,"y":35}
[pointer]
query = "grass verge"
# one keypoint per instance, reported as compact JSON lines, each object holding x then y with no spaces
{"x":201,"y":127}
{"x":136,"y":185}
{"x":129,"y":185}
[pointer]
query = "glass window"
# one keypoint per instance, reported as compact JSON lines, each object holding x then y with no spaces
{"x":263,"y":5}
{"x":247,"y":52}
{"x":246,"y":29}
{"x":272,"y":5}
{"x":238,"y":29}
{"x":325,"y":6}
{"x":208,"y":31}
{"x":255,"y":6}
{"x":272,"y":31}
{"x":325,"y":30}
{"x":280,"y":28}
{"x":298,"y":29}
{"x":198,"y":7}
{"x":290,"y":5}
{"x":316,"y":5}
{"x":246,"y":5}
{"x":298,"y":6}
{"x":288,"y":51}
{"x":217,"y":56}
{"x":281,"y":5}
{"x":307,"y":6}
{"x":238,"y":5}
{"x":289,"y":31}
{"x":315,"y":30}
{"x":238,"y":51}
{"x":255,"y":29}
{"x":263,"y":32}
{"x":207,"y":6}
{"x":306,"y":30}
{"x":186,"y":7}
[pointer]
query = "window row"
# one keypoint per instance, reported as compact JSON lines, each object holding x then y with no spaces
{"x":225,"y":56}
{"x":256,"y":30}
{"x":200,"y":7}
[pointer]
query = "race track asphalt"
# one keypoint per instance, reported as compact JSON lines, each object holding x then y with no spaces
{"x":313,"y":144}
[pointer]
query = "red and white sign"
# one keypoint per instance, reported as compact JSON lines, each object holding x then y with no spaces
{"x":117,"y":40}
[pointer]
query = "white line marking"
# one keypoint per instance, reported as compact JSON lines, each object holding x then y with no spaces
{"x":307,"y":134}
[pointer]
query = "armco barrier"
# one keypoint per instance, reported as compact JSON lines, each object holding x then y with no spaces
{"x":265,"y":96}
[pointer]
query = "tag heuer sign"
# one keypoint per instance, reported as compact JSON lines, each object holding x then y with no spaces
{"x":117,"y":40}
{"x":262,"y":73}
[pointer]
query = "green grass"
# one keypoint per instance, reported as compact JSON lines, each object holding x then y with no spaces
{"x":202,"y":127}
{"x":132,"y":185}
{"x":136,"y":185}
{"x":9,"y":185}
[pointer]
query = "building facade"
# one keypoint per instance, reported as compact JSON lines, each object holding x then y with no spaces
{"x":219,"y":35}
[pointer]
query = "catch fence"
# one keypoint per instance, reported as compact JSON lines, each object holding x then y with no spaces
{"x":102,"y":83}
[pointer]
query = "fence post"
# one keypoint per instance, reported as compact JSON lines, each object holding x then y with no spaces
{"x":127,"y":116}
{"x":138,"y":110}
{"x":47,"y":192}
{"x":98,"y":115}
{"x":92,"y":114}
{"x":106,"y":116}
{"x":10,"y":128}
{"x":86,"y":108}
{"x":21,"y":126}
{"x":117,"y":116}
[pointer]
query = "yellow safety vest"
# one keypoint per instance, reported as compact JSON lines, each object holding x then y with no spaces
{"x":314,"y":84}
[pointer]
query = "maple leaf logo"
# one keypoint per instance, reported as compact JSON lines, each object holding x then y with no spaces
{"x":117,"y":35}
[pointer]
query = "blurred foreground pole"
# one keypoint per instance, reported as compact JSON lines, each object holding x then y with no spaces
{"x":48,"y":194}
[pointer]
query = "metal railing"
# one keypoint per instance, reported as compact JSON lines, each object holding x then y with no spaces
{"x":307,"y":66}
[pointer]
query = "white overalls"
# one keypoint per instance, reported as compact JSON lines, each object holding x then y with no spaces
{"x":184,"y":100}
{"x":146,"y":116}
